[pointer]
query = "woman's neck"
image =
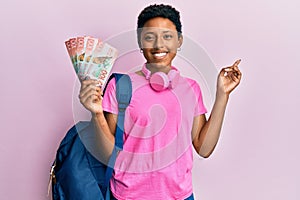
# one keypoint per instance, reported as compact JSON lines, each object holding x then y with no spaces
{"x":156,"y":68}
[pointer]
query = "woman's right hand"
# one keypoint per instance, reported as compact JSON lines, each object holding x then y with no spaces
{"x":90,"y":96}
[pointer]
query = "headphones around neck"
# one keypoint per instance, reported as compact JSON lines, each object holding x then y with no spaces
{"x":160,"y":81}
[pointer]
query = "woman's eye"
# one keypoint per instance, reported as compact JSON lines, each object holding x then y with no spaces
{"x":168,"y":36}
{"x":149,"y":37}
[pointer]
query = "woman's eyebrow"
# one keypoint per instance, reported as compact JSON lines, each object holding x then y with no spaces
{"x":149,"y":32}
{"x":152,"y":32}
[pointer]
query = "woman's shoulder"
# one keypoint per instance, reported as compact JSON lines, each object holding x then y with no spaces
{"x":190,"y":81}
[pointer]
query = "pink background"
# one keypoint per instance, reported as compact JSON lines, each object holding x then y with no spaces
{"x":258,"y":153}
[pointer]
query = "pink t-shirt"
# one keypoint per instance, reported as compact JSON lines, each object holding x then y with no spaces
{"x":157,"y":159}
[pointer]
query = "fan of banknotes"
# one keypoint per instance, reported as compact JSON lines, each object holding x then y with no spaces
{"x":91,"y":58}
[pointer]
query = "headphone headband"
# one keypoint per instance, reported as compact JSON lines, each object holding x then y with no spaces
{"x":160,"y":81}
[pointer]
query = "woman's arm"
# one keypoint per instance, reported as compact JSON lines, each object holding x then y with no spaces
{"x":206,"y":133}
{"x":104,"y":123}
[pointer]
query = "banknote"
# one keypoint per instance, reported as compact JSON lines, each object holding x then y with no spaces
{"x":91,"y":58}
{"x":80,"y":51}
{"x":90,"y":46}
{"x":102,"y":61}
{"x":71,"y":47}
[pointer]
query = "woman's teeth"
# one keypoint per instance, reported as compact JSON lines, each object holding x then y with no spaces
{"x":160,"y":54}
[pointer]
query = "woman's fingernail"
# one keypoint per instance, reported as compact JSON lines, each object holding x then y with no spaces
{"x":98,"y":84}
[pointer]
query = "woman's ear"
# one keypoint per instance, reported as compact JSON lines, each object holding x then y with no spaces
{"x":180,"y":41}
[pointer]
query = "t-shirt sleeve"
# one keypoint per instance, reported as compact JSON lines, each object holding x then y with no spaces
{"x":109,"y":101}
{"x":199,"y":107}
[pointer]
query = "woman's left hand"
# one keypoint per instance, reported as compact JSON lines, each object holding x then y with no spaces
{"x":228,"y":79}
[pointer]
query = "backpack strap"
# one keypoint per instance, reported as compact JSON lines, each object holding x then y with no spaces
{"x":123,"y":95}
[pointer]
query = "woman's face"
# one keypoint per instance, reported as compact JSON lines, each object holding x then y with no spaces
{"x":159,"y":41}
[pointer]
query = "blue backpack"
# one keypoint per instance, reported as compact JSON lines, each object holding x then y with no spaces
{"x":76,"y":174}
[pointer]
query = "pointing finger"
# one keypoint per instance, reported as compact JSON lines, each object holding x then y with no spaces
{"x":236,"y":63}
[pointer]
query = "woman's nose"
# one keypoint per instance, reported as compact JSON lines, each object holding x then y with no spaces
{"x":159,"y":43}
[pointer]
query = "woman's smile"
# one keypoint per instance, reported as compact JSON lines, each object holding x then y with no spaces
{"x":160,"y":55}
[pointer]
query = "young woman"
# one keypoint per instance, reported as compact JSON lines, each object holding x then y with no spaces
{"x":165,"y":118}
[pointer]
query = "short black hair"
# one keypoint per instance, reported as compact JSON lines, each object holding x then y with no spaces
{"x":161,"y":10}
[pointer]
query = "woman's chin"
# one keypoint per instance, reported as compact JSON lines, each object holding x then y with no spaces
{"x":158,"y":65}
